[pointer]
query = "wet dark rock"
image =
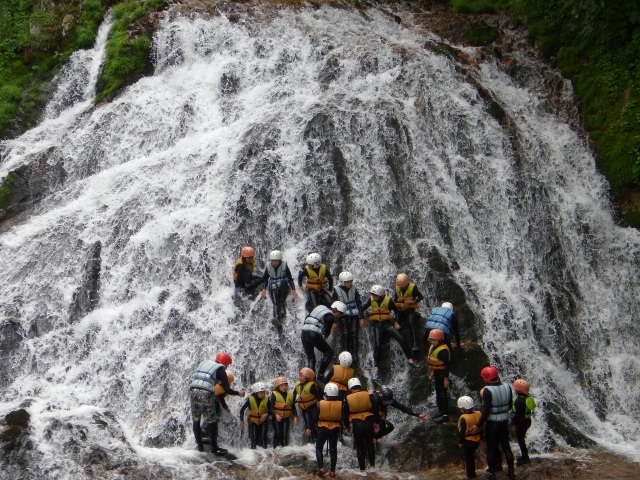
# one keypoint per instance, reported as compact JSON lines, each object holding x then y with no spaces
{"x":29,"y":184}
{"x":11,"y":336}
{"x":87,"y":295}
{"x":229,"y":84}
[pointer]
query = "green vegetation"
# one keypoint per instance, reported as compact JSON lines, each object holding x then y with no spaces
{"x":34,"y":43}
{"x":127,"y":56}
{"x":481,"y":35}
{"x":595,"y":43}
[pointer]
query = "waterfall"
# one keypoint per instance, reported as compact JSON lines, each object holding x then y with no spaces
{"x":305,"y":130}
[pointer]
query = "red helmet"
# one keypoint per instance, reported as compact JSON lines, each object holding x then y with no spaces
{"x":489,"y":374}
{"x":436,"y":334}
{"x":247,"y":252}
{"x":224,"y":359}
{"x":307,"y":372}
{"x":520,"y":385}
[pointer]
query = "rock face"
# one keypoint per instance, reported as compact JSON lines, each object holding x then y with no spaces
{"x":29,"y":184}
{"x":86,"y":296}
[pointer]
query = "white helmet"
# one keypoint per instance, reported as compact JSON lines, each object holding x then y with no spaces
{"x":331,"y":390}
{"x":259,"y":387}
{"x":345,"y":359}
{"x":377,"y":290}
{"x":314,"y":259}
{"x":345,"y":277}
{"x":339,"y":306}
{"x":354,"y":382}
{"x":465,"y":402}
{"x":275,"y":255}
{"x":448,"y":305}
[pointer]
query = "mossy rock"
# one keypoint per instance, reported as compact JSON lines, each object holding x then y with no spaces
{"x":562,"y":427}
{"x":426,"y":446}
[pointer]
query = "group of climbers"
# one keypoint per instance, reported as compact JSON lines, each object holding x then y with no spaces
{"x":342,"y":404}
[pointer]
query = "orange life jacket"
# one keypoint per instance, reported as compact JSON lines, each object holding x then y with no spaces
{"x":330,"y":414}
{"x":360,"y":406}
{"x":305,"y":397}
{"x":250,"y":266}
{"x":317,"y":281}
{"x":434,"y":363}
{"x":341,"y":376}
{"x":471,"y":419}
{"x":380,"y":313}
{"x":283,"y":406}
{"x":404,"y":300}
{"x":257,"y":410}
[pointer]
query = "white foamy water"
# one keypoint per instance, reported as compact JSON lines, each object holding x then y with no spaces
{"x":312,"y":130}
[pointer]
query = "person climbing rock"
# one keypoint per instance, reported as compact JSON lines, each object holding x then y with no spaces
{"x":319,"y":282}
{"x":259,"y":408}
{"x":386,"y":400}
{"x":328,"y":420}
{"x":353,"y":320}
{"x":306,"y":397}
{"x":496,"y":405}
{"x":466,"y":442}
{"x":439,"y":360}
{"x":315,"y":329}
{"x":445,"y":319}
{"x":406,"y":299}
{"x":283,"y":410}
{"x":245,"y":276}
{"x":341,"y":373}
{"x":523,"y":405}
{"x":360,"y":416}
{"x":277,"y":280}
{"x":383,"y":325}
{"x":202,"y":395}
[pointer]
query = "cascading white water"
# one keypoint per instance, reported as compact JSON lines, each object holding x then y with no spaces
{"x":311,"y":130}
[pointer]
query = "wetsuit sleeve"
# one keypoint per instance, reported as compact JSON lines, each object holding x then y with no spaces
{"x":265,"y":278}
{"x":376,"y":406}
{"x":329,"y":280}
{"x":221,"y":376}
{"x":223,"y":404}
{"x":345,"y":413}
{"x":272,"y":400}
{"x":455,"y":328}
{"x":239,"y":275}
{"x":329,"y":375}
{"x":359,"y":304}
{"x":328,"y":320}
{"x":367,"y":304}
{"x":404,"y":408}
{"x":316,"y":391}
{"x":290,"y":280}
{"x":301,"y":275}
{"x":520,"y":406}
{"x":485,"y":408}
{"x":315,"y":414}
{"x":393,"y":307}
{"x":244,"y":407}
{"x":417,"y":295}
{"x":462,"y":430}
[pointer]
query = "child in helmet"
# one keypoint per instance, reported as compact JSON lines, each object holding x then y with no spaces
{"x":319,"y":281}
{"x":439,"y":359}
{"x":328,"y":421}
{"x":281,"y":402}
{"x":341,"y":373}
{"x":386,"y":400}
{"x":406,"y":299}
{"x":468,"y":443}
{"x":360,"y":416}
{"x":523,"y":405}
{"x":278,"y":281}
{"x":258,"y":405}
{"x":306,"y":396}
{"x":245,"y":277}
{"x":353,"y":320}
{"x":383,"y":325}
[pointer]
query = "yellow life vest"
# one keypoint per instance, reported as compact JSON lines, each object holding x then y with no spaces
{"x":380,"y":313}
{"x":317,"y":281}
{"x":360,"y":406}
{"x":341,"y":376}
{"x":218,"y":391}
{"x":330,"y":414}
{"x":471,"y":420}
{"x":434,"y":363}
{"x":305,"y":397}
{"x":404,"y":300}
{"x":257,"y":411}
{"x":282,"y":406}
{"x":250,"y":266}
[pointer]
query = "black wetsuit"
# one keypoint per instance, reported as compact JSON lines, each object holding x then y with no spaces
{"x":383,"y":329}
{"x":521,"y":423}
{"x":385,"y":426}
{"x":349,"y":324}
{"x":410,"y":317}
{"x":278,"y":292}
{"x":316,"y":297}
